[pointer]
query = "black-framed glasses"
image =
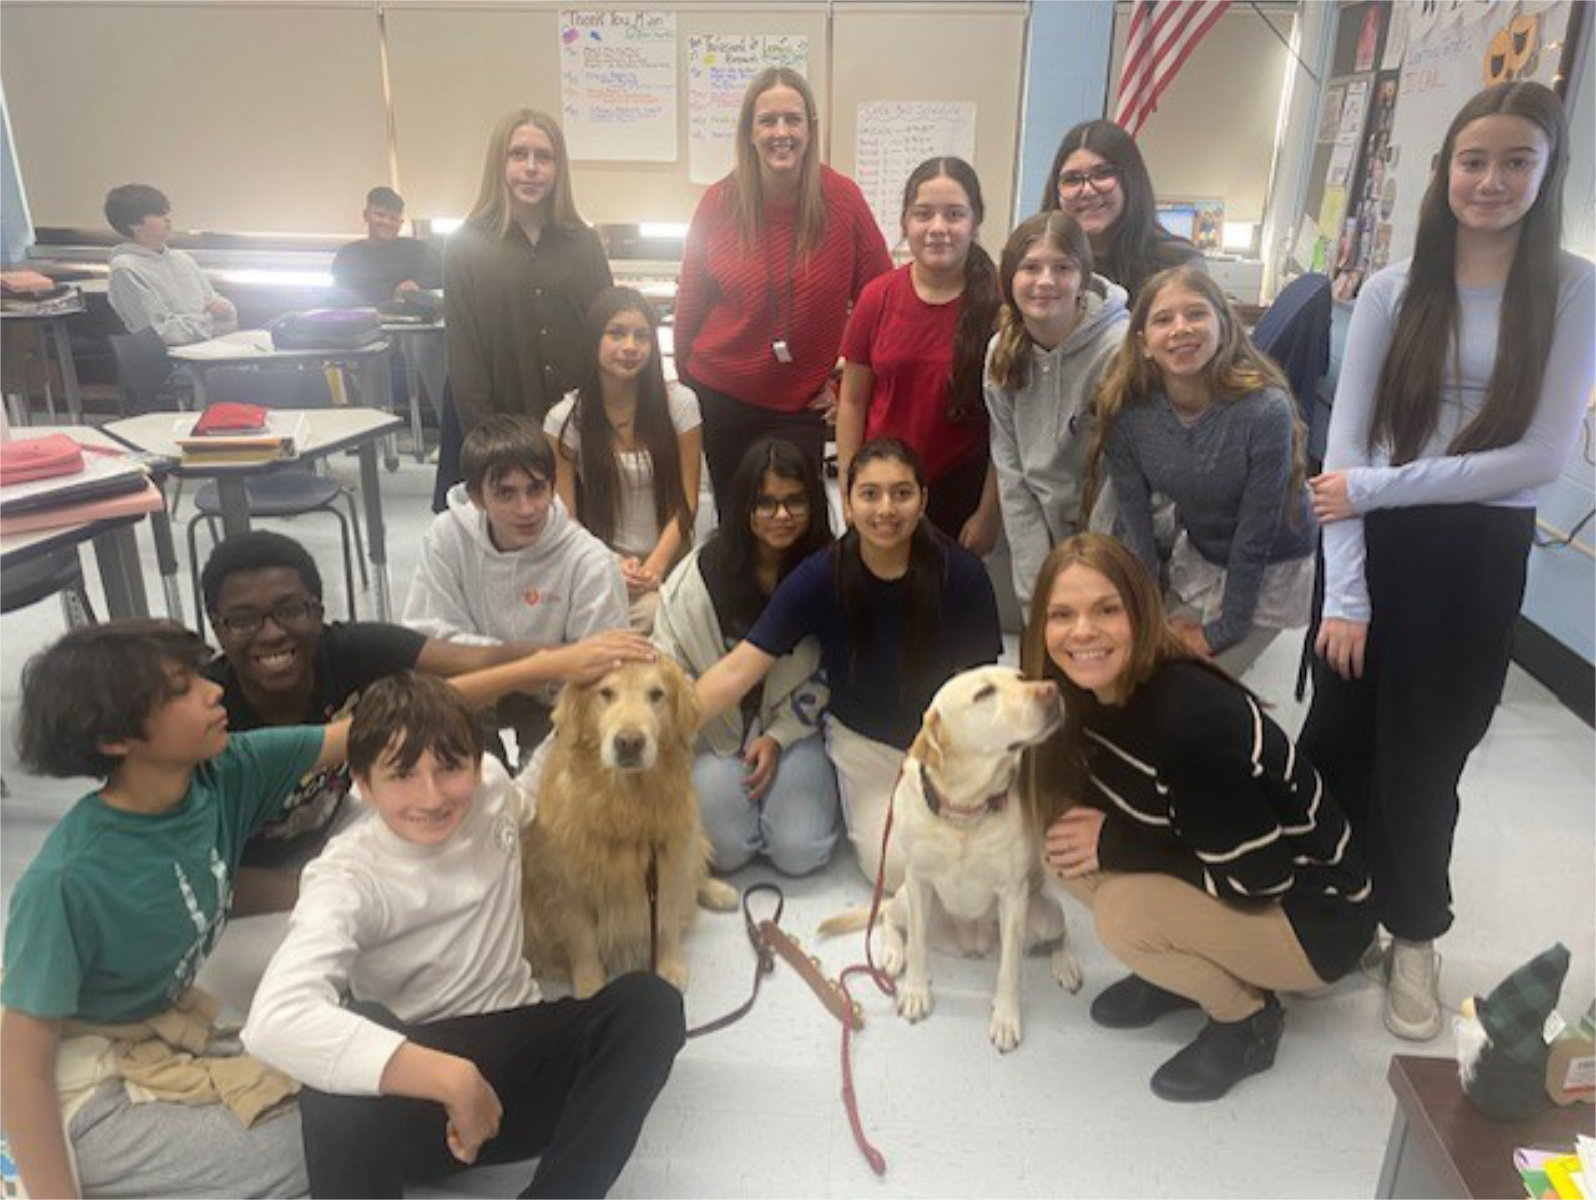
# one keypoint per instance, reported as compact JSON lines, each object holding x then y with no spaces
{"x":289,"y":614}
{"x":769,"y":506}
{"x":1102,"y":177}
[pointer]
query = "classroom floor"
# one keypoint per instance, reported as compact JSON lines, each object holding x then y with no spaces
{"x":756,"y":1110}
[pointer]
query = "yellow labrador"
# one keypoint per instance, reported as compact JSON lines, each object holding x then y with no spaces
{"x":615,"y":794}
{"x":968,"y":841}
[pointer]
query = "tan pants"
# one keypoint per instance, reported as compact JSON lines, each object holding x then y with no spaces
{"x":867,"y":773}
{"x":1221,"y":955}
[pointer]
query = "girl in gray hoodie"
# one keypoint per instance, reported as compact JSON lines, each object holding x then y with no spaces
{"x":1059,"y":328}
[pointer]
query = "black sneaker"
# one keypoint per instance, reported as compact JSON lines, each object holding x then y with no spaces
{"x":1133,"y":1003}
{"x":1223,"y":1054}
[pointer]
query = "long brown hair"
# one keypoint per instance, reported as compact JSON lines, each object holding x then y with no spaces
{"x":979,"y":304}
{"x":598,"y":482}
{"x":1053,"y":774}
{"x":1407,"y":398}
{"x":1236,"y":369}
{"x":1137,"y":243}
{"x":493,"y":213}
{"x":747,"y":197}
{"x":1011,"y":357}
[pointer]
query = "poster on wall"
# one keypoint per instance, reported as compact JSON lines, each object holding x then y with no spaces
{"x":719,"y":69}
{"x":618,"y":84}
{"x":895,"y":137}
{"x":1453,"y":51}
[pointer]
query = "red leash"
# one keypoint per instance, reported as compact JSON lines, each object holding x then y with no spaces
{"x":884,"y":984}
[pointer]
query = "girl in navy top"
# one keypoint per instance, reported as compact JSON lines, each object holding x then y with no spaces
{"x":897,"y":608}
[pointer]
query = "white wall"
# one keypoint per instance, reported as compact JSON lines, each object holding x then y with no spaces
{"x":1214,"y":132}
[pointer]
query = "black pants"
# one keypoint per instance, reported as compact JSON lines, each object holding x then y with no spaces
{"x":955,"y":497}
{"x":576,"y":1079}
{"x":450,"y":435}
{"x":732,"y":425}
{"x":1445,"y":584}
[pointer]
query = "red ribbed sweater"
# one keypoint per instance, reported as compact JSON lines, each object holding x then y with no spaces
{"x":731,"y":305}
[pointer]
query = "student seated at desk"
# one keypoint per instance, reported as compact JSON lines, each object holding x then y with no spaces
{"x":382,"y":264}
{"x":132,"y":889}
{"x":281,"y":665}
{"x":154,"y":285}
{"x":506,"y":561}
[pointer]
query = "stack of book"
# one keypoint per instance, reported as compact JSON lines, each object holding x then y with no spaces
{"x":240,"y":433}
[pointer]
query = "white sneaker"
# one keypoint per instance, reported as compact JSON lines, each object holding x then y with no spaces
{"x":1413,"y":999}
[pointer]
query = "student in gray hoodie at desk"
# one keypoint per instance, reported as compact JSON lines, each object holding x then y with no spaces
{"x":154,"y":285}
{"x":1059,"y":329}
{"x":506,"y":562}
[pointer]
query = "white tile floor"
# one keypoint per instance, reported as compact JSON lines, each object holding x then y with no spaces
{"x":756,"y":1110}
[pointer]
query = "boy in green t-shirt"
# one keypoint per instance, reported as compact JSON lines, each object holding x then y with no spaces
{"x":132,"y":888}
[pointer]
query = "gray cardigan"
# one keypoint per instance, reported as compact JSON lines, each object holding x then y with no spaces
{"x":1228,"y":473}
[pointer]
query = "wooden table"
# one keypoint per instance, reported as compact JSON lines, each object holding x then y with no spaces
{"x":1441,"y":1145}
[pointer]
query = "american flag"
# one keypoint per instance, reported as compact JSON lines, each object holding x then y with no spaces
{"x":1162,"y":35}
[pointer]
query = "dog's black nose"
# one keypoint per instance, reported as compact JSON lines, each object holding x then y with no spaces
{"x":629,"y":747}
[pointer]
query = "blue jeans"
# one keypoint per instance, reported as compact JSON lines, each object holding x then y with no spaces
{"x":795,"y":824}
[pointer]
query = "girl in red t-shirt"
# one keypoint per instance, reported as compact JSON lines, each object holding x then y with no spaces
{"x":915,"y":348}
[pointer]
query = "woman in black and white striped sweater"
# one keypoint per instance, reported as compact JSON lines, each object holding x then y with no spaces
{"x":1217,"y":867}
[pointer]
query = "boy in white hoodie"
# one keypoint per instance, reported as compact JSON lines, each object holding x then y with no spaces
{"x":154,"y":285}
{"x":505,"y":562}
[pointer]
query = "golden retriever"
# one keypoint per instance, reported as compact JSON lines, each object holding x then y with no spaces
{"x":616,"y":790}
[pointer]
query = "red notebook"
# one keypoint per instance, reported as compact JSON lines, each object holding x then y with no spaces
{"x":227,"y":417}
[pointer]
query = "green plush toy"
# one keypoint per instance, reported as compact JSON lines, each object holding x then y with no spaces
{"x":1501,"y":1044}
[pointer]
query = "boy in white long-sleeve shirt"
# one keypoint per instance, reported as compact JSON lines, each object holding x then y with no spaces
{"x":400,"y":997}
{"x":506,"y":562}
{"x":153,"y":284}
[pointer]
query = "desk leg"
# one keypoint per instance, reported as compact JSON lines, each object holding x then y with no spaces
{"x":418,"y":443}
{"x":69,"y":368}
{"x":197,"y":371}
{"x":376,"y":533}
{"x":118,"y":554}
{"x":235,"y":504}
{"x":166,"y":560}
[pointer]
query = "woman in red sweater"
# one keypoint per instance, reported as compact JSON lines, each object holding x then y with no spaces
{"x":776,"y":254}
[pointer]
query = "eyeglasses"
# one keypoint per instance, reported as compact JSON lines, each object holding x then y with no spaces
{"x":1102,"y":177}
{"x":768,"y":506}
{"x":288,"y":614}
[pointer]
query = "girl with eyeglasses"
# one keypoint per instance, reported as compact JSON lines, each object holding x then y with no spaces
{"x":627,"y":449}
{"x":1059,"y":328}
{"x":1466,"y":377}
{"x":1099,"y":178}
{"x":764,"y":784}
{"x":915,"y":347}
{"x":897,"y":609}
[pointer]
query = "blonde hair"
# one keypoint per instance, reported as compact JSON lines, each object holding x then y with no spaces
{"x":1236,"y":369}
{"x":1011,"y":358}
{"x":493,"y":212}
{"x":747,"y":196}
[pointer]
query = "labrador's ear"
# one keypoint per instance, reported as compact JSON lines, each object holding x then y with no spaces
{"x":683,"y":699}
{"x":927,"y":745}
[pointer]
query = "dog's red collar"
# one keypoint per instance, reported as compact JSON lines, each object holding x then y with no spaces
{"x":941,"y":806}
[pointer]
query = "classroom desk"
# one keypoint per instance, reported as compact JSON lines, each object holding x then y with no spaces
{"x":1441,"y":1145}
{"x":54,"y":325}
{"x":328,"y":430}
{"x":425,"y":356}
{"x":363,"y":365}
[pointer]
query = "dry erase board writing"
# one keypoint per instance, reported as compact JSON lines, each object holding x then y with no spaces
{"x":719,"y":69}
{"x":618,"y":84}
{"x":896,"y":136}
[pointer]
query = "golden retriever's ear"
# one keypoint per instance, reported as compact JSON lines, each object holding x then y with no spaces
{"x":927,"y":745}
{"x":571,"y":711}
{"x":684,"y":700}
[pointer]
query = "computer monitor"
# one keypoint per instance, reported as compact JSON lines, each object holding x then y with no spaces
{"x":1201,"y":222}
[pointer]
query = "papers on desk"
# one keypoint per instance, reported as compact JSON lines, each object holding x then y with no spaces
{"x":282,"y":438}
{"x":229,"y":345}
{"x":102,"y":475}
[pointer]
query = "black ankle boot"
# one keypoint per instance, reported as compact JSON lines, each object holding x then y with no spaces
{"x":1133,"y":1003}
{"x":1224,"y":1054}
